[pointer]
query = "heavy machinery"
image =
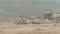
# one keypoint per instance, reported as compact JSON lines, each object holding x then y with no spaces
{"x":36,"y":21}
{"x":48,"y":15}
{"x":22,"y":21}
{"x":29,"y":21}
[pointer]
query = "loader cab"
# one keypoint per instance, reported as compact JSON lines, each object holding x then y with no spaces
{"x":48,"y":15}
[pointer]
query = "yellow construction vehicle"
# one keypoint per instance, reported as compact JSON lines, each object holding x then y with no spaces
{"x":29,"y":21}
{"x":36,"y":21}
{"x":22,"y":21}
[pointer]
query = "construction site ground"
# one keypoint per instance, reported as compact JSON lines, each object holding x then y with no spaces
{"x":11,"y":28}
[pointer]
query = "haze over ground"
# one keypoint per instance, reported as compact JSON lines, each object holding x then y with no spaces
{"x":15,"y":8}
